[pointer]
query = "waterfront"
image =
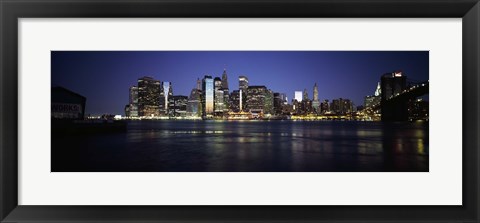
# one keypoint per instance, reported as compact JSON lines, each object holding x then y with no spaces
{"x":245,"y":146}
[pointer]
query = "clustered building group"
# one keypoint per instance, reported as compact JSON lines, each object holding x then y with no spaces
{"x":212,"y":99}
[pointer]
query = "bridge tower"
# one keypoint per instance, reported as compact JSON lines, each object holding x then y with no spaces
{"x":393,"y":84}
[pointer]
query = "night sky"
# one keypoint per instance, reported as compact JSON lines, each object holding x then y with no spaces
{"x":104,"y":77}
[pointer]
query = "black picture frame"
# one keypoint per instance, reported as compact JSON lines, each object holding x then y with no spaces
{"x":11,"y":11}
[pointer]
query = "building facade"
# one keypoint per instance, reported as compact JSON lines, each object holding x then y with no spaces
{"x":166,"y":101}
{"x":393,"y":84}
{"x":341,"y":106}
{"x":208,"y":97}
{"x":148,"y":97}
{"x":256,"y":100}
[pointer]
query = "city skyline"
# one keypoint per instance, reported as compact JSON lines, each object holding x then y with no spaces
{"x":104,"y":77}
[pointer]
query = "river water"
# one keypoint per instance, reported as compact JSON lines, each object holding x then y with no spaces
{"x":246,"y":146}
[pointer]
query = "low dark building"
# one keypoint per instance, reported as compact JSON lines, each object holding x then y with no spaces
{"x":67,"y":104}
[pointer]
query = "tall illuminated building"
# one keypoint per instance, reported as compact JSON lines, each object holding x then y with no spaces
{"x":378,"y":91}
{"x":243,"y":83}
{"x":224,"y":79}
{"x":208,"y":97}
{"x":278,"y":102}
{"x":298,"y":96}
{"x":226,"y":92}
{"x":268,"y":107}
{"x":219,"y":97}
{"x":259,"y":100}
{"x":324,"y":107}
{"x":148,"y":97}
{"x":179,"y":106}
{"x":133,"y":102}
{"x":341,"y":106}
{"x":243,"y":87}
{"x":194,"y":104}
{"x":305,"y":94}
{"x":315,"y":102}
{"x":235,"y":101}
{"x":166,"y":100}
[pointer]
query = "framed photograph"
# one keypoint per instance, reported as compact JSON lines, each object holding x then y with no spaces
{"x":239,"y":111}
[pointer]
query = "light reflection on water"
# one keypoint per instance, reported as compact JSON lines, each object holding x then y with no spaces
{"x":259,"y":146}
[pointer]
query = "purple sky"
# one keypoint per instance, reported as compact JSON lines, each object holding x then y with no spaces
{"x":105,"y":76}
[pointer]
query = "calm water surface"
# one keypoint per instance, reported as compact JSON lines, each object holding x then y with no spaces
{"x":264,"y":146}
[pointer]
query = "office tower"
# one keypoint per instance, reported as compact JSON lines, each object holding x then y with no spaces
{"x":194,"y":106}
{"x":133,"y":102}
{"x":243,"y":83}
{"x":307,"y":107}
{"x":393,"y":84}
{"x":316,"y":102}
{"x":256,"y":99}
{"x":305,"y":94}
{"x":226,"y":92}
{"x":243,"y":87}
{"x":315,"y":92}
{"x":148,"y":97}
{"x":241,"y":95}
{"x":179,"y":107}
{"x":166,"y":101}
{"x":298,"y":96}
{"x":268,"y":107}
{"x":341,"y":106}
{"x":219,"y":97}
{"x":324,"y":107}
{"x":208,"y":96}
{"x":224,"y":79}
{"x":278,"y":103}
{"x":235,"y":101}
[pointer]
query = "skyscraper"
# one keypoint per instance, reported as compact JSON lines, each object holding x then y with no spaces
{"x":315,"y":92}
{"x":235,"y":101}
{"x":166,"y":100}
{"x":305,"y":94}
{"x":224,"y":79}
{"x":278,"y":103}
{"x":243,"y":87}
{"x":179,"y":107}
{"x":194,"y":105}
{"x":393,"y":84}
{"x":259,"y":100}
{"x":378,"y":91}
{"x":341,"y":106}
{"x":268,"y":107}
{"x":315,"y":102}
{"x":208,"y":96}
{"x":133,"y":102}
{"x":243,"y":83}
{"x":219,"y":97}
{"x":298,"y":96}
{"x":226,"y":92}
{"x":148,"y":97}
